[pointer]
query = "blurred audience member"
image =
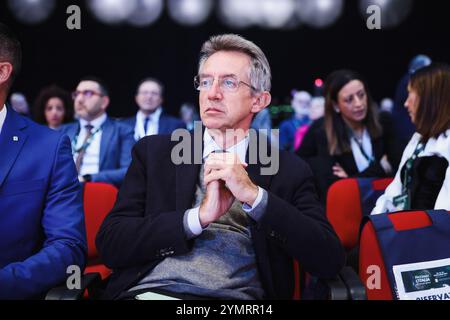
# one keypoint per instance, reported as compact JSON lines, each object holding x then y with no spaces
{"x":387,"y":105}
{"x":53,"y":107}
{"x":150,"y":119}
{"x":316,"y":111}
{"x":350,"y":141}
{"x":404,"y":128}
{"x":423,"y":179}
{"x":301,"y":103}
{"x":101,"y":146}
{"x":19,"y":103}
{"x":262,"y":120}
{"x":189,"y":115}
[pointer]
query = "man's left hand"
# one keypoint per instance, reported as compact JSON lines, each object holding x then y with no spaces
{"x":228,"y":168}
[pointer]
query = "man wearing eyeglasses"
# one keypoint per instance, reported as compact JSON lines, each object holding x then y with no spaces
{"x":101,"y":146}
{"x":42,"y":230}
{"x":217,"y":228}
{"x":151,"y":119}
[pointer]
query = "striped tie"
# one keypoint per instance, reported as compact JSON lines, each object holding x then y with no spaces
{"x":79,"y":160}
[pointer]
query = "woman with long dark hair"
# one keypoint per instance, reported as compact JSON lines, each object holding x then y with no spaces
{"x":352,"y":140}
{"x":423,"y":179}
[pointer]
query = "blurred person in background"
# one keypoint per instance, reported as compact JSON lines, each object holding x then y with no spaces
{"x":53,"y":107}
{"x":101,"y":146}
{"x":351,"y":140}
{"x":387,"y":105}
{"x":189,"y":115}
{"x":150,"y":119}
{"x":19,"y":103}
{"x":316,"y":111}
{"x":301,"y":103}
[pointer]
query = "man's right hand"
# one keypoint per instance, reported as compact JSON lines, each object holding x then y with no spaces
{"x":218,"y":200}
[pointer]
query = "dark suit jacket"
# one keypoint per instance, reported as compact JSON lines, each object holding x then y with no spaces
{"x":166,"y":125}
{"x":146,"y":224}
{"x":42,"y":228}
{"x":314,"y":150}
{"x":115,"y":150}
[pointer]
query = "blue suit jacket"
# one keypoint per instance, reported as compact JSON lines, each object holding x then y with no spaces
{"x":115,"y":150}
{"x":166,"y":125}
{"x":42,"y":228}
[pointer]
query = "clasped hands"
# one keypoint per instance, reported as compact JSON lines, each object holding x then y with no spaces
{"x":225,"y":179}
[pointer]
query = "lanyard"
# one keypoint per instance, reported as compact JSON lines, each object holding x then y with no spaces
{"x":407,"y":175}
{"x":403,"y":201}
{"x":86,"y":144}
{"x":370,"y":159}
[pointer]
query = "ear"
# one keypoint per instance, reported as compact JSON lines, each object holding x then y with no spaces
{"x":261,"y":101}
{"x":6,"y":69}
{"x":105,"y":102}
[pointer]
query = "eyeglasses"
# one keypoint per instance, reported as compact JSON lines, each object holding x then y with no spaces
{"x":226,"y":84}
{"x":86,"y":94}
{"x":149,"y":93}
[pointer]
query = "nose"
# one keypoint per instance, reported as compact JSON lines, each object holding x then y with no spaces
{"x":79,"y":98}
{"x":215,"y":93}
{"x":406,"y":104}
{"x":358,"y":101}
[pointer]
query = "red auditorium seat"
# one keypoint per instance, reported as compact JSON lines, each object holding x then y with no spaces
{"x":344,"y":209}
{"x":99,"y":199}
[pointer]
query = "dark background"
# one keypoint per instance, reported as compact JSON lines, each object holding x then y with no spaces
{"x":123,"y":55}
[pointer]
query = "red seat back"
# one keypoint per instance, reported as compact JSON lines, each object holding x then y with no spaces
{"x":99,"y":199}
{"x":370,"y":252}
{"x":344,"y":210}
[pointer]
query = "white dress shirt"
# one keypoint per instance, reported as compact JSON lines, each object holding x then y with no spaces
{"x":362,"y":162}
{"x":2,"y":117}
{"x":91,"y":159}
{"x":209,"y":146}
{"x":152,"y":126}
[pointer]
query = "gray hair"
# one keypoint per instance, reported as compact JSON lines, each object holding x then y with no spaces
{"x":260,"y":74}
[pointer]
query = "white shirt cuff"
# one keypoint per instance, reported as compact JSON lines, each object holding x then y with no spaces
{"x":247,"y":208}
{"x":193,"y":221}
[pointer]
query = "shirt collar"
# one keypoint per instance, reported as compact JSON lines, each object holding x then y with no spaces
{"x":152,"y":117}
{"x":96,"y":123}
{"x":2,"y":117}
{"x":209,"y":146}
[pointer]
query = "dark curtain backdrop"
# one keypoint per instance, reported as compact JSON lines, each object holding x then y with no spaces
{"x":123,"y":55}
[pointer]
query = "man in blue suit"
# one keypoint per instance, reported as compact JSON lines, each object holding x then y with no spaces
{"x":101,"y":146}
{"x":42,"y":229}
{"x":150,"y":119}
